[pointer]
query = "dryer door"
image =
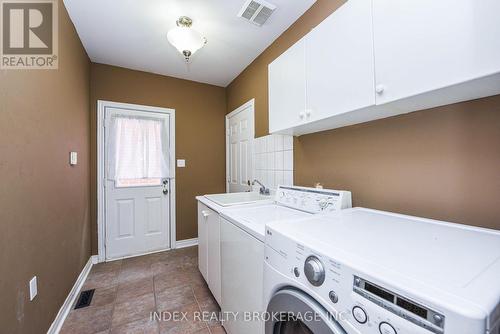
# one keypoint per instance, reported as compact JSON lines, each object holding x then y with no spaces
{"x":292,"y":311}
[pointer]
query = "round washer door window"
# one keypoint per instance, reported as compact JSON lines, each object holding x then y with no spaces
{"x":292,"y":311}
{"x":291,"y":327}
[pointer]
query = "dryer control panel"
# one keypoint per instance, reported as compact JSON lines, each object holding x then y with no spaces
{"x":357,"y":300}
{"x":313,"y":200}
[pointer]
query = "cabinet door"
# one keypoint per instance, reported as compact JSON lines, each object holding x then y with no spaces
{"x":203,"y":214}
{"x":287,"y":91}
{"x":425,"y":45}
{"x":340,"y":75}
{"x":214,"y":264}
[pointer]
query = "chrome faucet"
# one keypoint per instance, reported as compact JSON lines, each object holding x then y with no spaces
{"x":263,"y":190}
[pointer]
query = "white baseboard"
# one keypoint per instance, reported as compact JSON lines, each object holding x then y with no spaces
{"x":186,"y":243}
{"x":73,"y":294}
{"x":94,"y":259}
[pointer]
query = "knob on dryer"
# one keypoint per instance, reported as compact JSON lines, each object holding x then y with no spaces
{"x":359,"y":314}
{"x":314,"y":270}
{"x":386,"y":328}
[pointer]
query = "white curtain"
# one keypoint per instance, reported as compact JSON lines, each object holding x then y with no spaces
{"x":136,"y":148}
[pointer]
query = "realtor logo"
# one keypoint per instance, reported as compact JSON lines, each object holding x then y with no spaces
{"x":29,"y":34}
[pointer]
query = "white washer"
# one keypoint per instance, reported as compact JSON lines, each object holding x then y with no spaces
{"x":373,"y":272}
{"x":209,"y":208}
{"x":242,"y":232}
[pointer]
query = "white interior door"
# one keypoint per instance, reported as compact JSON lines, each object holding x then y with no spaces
{"x":137,"y":197}
{"x":240,"y":134}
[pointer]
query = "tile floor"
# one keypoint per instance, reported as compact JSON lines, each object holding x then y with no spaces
{"x":127,"y":291}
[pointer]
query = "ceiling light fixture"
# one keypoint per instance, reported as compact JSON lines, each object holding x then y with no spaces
{"x":185,"y":39}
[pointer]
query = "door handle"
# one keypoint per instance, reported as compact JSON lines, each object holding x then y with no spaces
{"x":205,"y":213}
{"x":165,"y":187}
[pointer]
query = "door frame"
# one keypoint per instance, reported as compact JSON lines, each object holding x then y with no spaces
{"x":101,"y":193}
{"x":249,"y":104}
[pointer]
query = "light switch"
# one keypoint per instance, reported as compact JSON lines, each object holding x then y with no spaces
{"x":181,"y":163}
{"x":33,"y":288}
{"x":73,"y":158}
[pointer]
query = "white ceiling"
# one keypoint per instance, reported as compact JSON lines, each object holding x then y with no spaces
{"x":133,"y":34}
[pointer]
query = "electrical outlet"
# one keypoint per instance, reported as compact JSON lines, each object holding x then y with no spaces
{"x":33,"y":288}
{"x":181,"y":163}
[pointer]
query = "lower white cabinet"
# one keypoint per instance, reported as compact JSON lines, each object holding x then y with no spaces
{"x":214,"y":259}
{"x":209,"y":248}
{"x":203,"y":213}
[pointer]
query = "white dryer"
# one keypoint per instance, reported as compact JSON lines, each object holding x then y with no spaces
{"x":362,"y":271}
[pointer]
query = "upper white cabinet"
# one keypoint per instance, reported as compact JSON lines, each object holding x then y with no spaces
{"x":287,"y":88}
{"x":426,"y":45}
{"x":339,"y":62}
{"x":372,"y":59}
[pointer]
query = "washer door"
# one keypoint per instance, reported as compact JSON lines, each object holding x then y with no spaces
{"x":292,"y":311}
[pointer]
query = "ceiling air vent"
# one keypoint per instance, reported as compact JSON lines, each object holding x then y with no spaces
{"x":256,"y":11}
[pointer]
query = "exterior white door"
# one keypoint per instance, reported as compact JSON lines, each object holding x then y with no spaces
{"x":137,"y":208}
{"x":240,"y":134}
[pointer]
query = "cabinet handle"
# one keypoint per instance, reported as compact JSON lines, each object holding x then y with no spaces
{"x":205,"y":214}
{"x":380,"y":89}
{"x":302,"y":115}
{"x":308,"y":112}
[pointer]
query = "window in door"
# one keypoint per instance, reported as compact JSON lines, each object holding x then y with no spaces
{"x":136,"y":154}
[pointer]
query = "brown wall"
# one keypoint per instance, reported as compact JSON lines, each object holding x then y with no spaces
{"x":44,"y":203}
{"x":441,"y":163}
{"x":199,"y":129}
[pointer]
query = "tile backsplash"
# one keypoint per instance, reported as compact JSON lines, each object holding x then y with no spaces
{"x":273,"y":160}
